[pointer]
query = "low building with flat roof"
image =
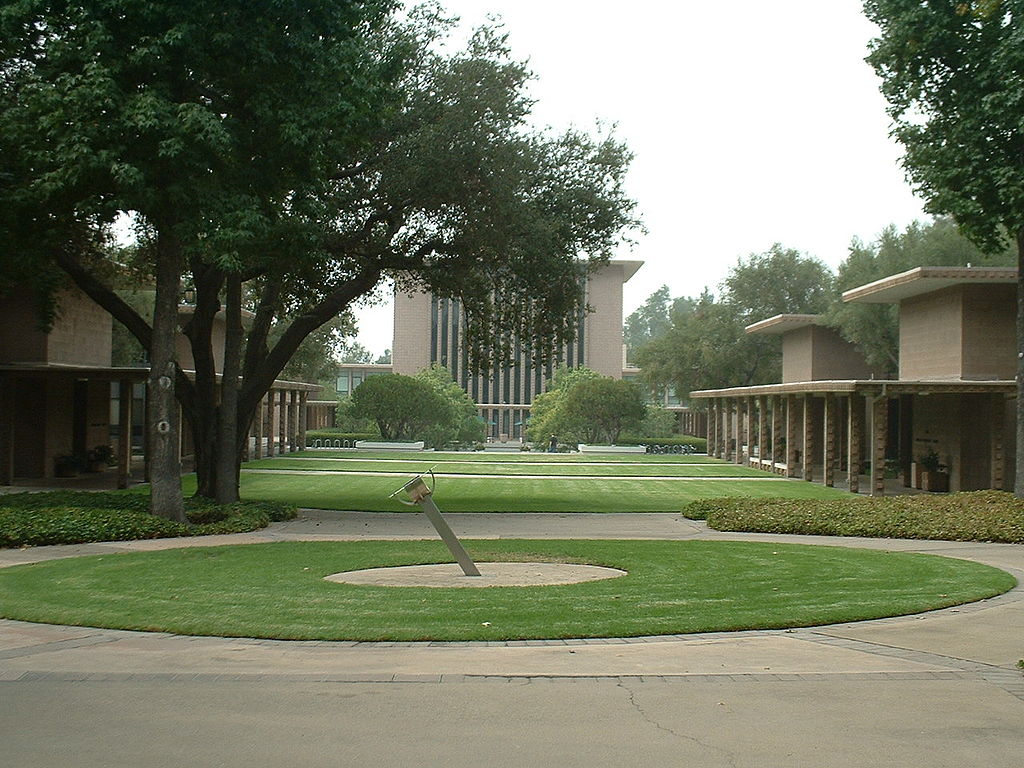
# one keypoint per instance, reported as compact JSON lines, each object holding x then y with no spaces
{"x":953,"y":403}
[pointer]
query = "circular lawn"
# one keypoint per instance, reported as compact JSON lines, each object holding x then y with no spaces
{"x":279,"y":591}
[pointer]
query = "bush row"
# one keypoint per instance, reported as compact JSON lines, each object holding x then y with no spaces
{"x":74,"y":517}
{"x":700,"y":444}
{"x":333,"y":434}
{"x":968,"y":516}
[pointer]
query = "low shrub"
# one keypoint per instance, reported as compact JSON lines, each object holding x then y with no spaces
{"x":697,"y":444}
{"x":74,"y":517}
{"x":967,"y":516}
{"x":328,"y":436}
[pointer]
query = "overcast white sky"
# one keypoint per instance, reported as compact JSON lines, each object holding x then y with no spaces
{"x":751,"y":122}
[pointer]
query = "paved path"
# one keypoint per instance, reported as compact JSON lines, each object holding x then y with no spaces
{"x":938,"y":689}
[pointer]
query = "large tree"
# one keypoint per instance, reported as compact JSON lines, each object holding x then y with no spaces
{"x":874,"y":328}
{"x":952,"y":72}
{"x":443,"y":187}
{"x":198,"y":119}
{"x":707,"y":346}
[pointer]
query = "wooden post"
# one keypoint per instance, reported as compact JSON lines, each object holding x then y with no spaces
{"x":879,"y":435}
{"x":303,"y":420}
{"x":712,"y":432}
{"x":293,"y":421}
{"x":808,"y":454}
{"x":749,"y":410}
{"x":124,"y":433}
{"x":829,"y":439}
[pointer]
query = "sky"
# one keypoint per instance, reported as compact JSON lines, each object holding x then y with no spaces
{"x":751,"y":123}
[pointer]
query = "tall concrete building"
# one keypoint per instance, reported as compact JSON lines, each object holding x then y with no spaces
{"x":431,"y":330}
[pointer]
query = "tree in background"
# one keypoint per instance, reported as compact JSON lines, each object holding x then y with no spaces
{"x":294,"y":171}
{"x":874,"y":328}
{"x":403,"y":407}
{"x":546,"y":413}
{"x":459,"y":421}
{"x":951,"y":72}
{"x":707,"y":347}
{"x":598,"y":410}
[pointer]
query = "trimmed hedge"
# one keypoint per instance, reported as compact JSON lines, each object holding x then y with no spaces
{"x":75,"y":517}
{"x":967,"y":516}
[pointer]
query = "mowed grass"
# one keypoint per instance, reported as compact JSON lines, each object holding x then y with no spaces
{"x":526,"y":482}
{"x":512,"y":467}
{"x":277,"y":590}
{"x":367,"y":493}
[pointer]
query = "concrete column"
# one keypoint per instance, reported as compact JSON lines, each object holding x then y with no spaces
{"x":778,"y":424}
{"x":998,"y":460}
{"x":829,"y":440}
{"x":762,"y":429}
{"x":749,"y":424}
{"x":792,"y":443}
{"x":879,"y":435}
{"x":7,"y":430}
{"x":293,"y":421}
{"x":303,"y":420}
{"x":271,"y":408}
{"x":124,"y":433}
{"x":257,"y":431}
{"x":712,"y":427}
{"x":855,"y":428}
{"x":282,"y":423}
{"x":737,"y":415}
{"x":808,"y":439}
{"x":727,"y":430}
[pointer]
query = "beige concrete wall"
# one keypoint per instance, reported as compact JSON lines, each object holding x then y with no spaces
{"x":183,"y":347}
{"x":834,"y":358}
{"x":81,"y":334}
{"x":410,"y":349}
{"x":21,"y":341}
{"x":931,"y":338}
{"x":937,"y":423}
{"x":797,"y":355}
{"x":603,"y":326}
{"x":989,"y":336}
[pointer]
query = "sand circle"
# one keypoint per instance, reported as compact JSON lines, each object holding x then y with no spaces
{"x":491,"y":575}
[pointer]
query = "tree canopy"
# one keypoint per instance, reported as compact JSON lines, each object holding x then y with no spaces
{"x":583,"y":406}
{"x":706,"y":346}
{"x":951,"y":72}
{"x":304,"y":150}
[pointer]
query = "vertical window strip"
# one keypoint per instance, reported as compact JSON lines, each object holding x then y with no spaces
{"x":433,"y":328}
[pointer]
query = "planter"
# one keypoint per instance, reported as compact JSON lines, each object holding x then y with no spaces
{"x":934,"y":481}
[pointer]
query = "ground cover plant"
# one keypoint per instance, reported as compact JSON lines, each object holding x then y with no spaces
{"x":277,"y":590}
{"x":73,"y":517}
{"x":968,"y":516}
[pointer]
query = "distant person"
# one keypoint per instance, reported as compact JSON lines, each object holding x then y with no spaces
{"x":553,"y":445}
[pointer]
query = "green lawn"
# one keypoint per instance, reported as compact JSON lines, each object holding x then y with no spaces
{"x":509,"y":494}
{"x":510,"y":467}
{"x":434,"y":457}
{"x":277,"y":590}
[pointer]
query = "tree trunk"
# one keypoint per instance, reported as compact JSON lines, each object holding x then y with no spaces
{"x":227,"y":464}
{"x":164,"y":423}
{"x":1018,"y":479}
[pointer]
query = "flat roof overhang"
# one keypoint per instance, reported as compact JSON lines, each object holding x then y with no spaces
{"x":921,"y":280}
{"x":113,"y":373}
{"x":780,"y":324}
{"x":864,"y":387}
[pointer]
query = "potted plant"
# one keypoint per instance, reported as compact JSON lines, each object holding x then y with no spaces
{"x":98,"y":458}
{"x":933,"y":473}
{"x":65,"y":466}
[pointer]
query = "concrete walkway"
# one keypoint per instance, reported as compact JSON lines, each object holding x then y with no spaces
{"x":938,"y":689}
